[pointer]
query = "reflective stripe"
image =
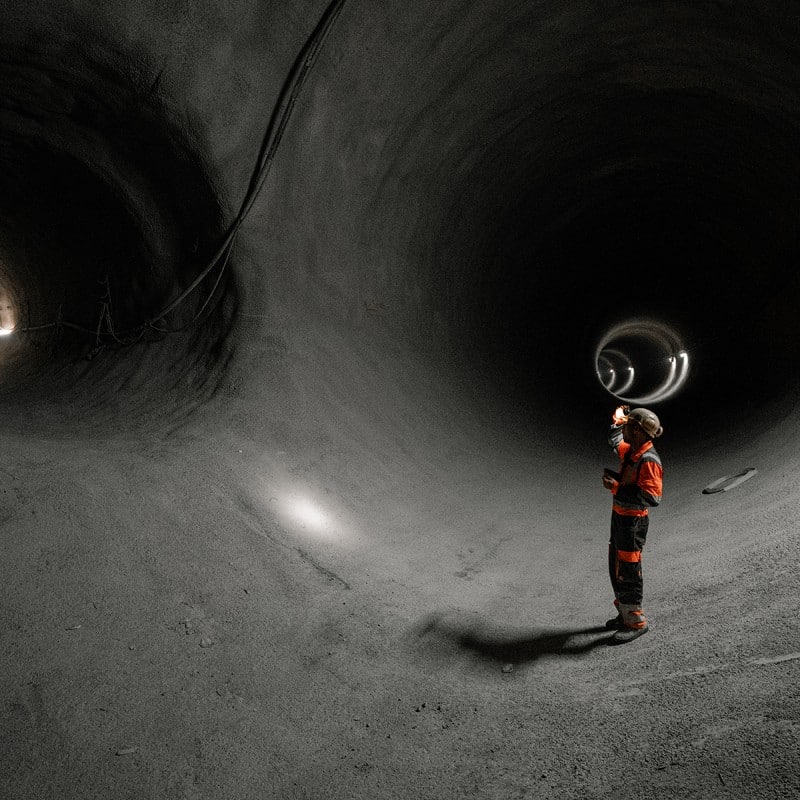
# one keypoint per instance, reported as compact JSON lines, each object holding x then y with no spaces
{"x":636,"y":625}
{"x":615,"y":438}
{"x":650,"y":478}
{"x":631,"y":556}
{"x":633,"y":616}
{"x":642,"y":472}
{"x":651,"y":455}
{"x":629,"y":511}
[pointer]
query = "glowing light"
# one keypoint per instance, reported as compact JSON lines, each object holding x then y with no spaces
{"x":662,"y":366}
{"x":6,"y":331}
{"x":297,"y":510}
{"x":307,"y":510}
{"x":306,"y":513}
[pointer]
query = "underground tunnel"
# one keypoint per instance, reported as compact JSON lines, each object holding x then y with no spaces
{"x":314,"y":319}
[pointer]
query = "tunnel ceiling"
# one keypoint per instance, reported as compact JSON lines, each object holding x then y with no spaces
{"x":509,"y":180}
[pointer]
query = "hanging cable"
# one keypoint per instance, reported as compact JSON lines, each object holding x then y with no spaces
{"x":276,"y":127}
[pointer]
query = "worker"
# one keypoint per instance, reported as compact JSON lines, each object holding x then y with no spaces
{"x":637,"y":486}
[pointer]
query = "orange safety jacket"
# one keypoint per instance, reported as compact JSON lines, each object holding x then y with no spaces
{"x":639,"y":483}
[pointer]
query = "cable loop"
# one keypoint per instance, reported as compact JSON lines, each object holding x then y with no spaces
{"x":276,"y":127}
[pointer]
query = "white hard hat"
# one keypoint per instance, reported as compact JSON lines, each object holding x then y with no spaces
{"x":647,"y":420}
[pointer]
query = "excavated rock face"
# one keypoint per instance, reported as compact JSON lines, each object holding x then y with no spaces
{"x":102,"y":203}
{"x":497,"y":184}
{"x":108,"y":215}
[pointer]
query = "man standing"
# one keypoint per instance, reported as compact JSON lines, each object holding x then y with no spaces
{"x":635,"y":487}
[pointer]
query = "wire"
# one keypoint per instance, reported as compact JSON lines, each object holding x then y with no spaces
{"x":279,"y":119}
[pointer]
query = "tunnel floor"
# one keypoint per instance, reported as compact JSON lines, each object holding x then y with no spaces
{"x":192,"y":615}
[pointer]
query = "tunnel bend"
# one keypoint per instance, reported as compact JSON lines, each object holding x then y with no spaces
{"x":459,"y":183}
{"x":106,"y":217}
{"x":503,"y":211}
{"x":422,"y":287}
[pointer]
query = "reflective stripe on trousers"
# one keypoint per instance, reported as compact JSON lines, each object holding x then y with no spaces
{"x":628,"y":535}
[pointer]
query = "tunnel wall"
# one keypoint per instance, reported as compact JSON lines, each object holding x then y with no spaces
{"x":404,"y":350}
{"x":124,"y":166}
{"x":455,"y":186}
{"x":493,"y":215}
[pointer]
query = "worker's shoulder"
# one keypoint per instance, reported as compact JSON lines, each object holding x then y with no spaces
{"x":651,"y":454}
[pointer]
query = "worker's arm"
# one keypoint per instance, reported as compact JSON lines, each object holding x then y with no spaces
{"x":650,"y":482}
{"x":611,"y":478}
{"x":615,"y":437}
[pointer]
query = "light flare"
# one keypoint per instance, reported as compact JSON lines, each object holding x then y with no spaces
{"x":306,"y":513}
{"x":649,"y":341}
{"x":298,"y":510}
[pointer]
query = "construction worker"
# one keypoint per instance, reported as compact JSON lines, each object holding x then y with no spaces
{"x":635,"y":487}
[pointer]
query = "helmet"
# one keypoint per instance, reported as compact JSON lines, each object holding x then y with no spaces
{"x":647,"y":420}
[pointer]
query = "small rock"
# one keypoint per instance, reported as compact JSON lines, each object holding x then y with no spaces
{"x":508,"y":668}
{"x":206,"y":642}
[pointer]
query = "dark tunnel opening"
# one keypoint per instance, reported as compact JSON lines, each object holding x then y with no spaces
{"x":674,"y":207}
{"x":106,"y":217}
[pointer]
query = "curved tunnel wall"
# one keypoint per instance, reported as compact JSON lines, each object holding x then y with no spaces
{"x":510,"y":183}
{"x":464,"y":201}
{"x":490,"y":187}
{"x":495,"y":185}
{"x":108,"y":215}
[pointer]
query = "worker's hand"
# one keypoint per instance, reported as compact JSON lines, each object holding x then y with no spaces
{"x":609,"y":482}
{"x":620,"y":415}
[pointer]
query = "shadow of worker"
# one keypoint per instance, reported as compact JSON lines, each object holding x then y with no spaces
{"x":513,"y":648}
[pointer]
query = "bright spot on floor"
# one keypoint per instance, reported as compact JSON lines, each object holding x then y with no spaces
{"x":305,"y":512}
{"x":298,"y":511}
{"x":5,"y":331}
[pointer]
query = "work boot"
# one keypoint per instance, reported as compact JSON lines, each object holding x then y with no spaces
{"x":632,"y":615}
{"x":626,"y":634}
{"x":616,"y":623}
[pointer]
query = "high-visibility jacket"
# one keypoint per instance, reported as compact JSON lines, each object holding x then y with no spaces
{"x":639,"y":482}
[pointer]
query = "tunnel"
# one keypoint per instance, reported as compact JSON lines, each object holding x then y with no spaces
{"x":314,"y":316}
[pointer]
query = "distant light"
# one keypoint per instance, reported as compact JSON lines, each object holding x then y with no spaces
{"x":6,"y":331}
{"x":682,"y":354}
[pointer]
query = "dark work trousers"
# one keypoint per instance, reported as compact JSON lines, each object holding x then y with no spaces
{"x":625,"y":547}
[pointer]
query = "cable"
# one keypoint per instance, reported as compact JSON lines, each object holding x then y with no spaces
{"x":276,"y":127}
